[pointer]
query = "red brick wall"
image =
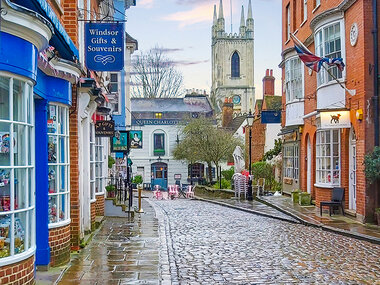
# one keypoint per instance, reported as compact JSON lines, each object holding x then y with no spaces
{"x":257,"y":143}
{"x":74,"y":175}
{"x":359,"y":77}
{"x":18,"y":273}
{"x":59,"y":242}
{"x":99,"y":205}
{"x":93,"y":215}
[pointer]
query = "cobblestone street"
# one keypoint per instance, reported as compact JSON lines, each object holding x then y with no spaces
{"x":210,"y":244}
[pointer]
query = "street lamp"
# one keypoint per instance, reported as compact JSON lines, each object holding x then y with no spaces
{"x":249,"y":124}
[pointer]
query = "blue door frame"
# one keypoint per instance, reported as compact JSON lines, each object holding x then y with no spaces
{"x":160,"y":175}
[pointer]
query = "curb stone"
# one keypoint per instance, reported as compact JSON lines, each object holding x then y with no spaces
{"x":168,"y":267}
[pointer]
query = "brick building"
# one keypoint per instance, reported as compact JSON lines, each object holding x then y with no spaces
{"x":327,"y":130}
{"x":267,"y":118}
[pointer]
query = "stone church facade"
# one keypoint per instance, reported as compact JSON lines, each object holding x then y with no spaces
{"x":232,"y":62}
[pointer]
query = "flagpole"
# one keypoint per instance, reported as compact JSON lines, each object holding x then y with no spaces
{"x":351,"y":92}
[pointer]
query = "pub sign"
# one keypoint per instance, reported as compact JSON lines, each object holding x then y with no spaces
{"x":104,"y":46}
{"x":120,"y":142}
{"x":104,"y":128}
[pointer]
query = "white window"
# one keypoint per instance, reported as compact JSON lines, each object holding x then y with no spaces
{"x":17,"y":173}
{"x":99,"y":162}
{"x":304,"y":10}
{"x":328,"y":157}
{"x":328,"y":44}
{"x":92,"y":162}
{"x":58,"y":161}
{"x":293,"y":79}
{"x":114,"y":88}
{"x":288,"y":22}
{"x":291,"y":161}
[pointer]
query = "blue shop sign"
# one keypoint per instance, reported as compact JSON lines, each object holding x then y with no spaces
{"x":271,"y":117}
{"x":104,"y":46}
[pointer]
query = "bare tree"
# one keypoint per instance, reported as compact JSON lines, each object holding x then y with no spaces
{"x":154,"y":76}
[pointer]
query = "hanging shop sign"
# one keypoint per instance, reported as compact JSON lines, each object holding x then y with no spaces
{"x":120,"y":142}
{"x":336,"y":119}
{"x":104,"y":46}
{"x":136,"y":139}
{"x":104,"y":128}
{"x":270,"y":117}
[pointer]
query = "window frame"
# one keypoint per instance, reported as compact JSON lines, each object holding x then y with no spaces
{"x":159,"y":151}
{"x":291,"y":153}
{"x":289,"y":92}
{"x":99,"y":166}
{"x":321,"y":160}
{"x":58,"y":166}
{"x":117,"y":93}
{"x":235,"y":65}
{"x":288,"y":24}
{"x":92,"y":163}
{"x":323,"y":78}
{"x":304,"y":11}
{"x":28,"y":165}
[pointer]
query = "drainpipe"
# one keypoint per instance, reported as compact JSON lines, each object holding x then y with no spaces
{"x":375,"y":97}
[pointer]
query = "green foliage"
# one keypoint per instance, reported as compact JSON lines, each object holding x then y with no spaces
{"x":201,"y":141}
{"x":372,"y":165}
{"x":377,"y":210}
{"x":263,"y":169}
{"x":274,"y":151}
{"x":110,"y":188}
{"x":226,"y":184}
{"x":227,"y":174}
{"x":111,"y":161}
{"x":137,"y":179}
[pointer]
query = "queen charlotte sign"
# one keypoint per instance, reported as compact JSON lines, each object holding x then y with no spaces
{"x":104,"y":44}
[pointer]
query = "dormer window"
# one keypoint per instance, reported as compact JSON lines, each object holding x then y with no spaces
{"x":235,"y":65}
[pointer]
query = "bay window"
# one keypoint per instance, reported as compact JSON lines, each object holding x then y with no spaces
{"x":328,"y":43}
{"x":328,"y":157}
{"x":293,"y":79}
{"x":17,"y":172}
{"x":99,"y":179}
{"x":92,"y":162}
{"x":58,"y":161}
{"x":291,"y":160}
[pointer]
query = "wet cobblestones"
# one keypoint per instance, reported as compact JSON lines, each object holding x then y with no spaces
{"x":211,"y":244}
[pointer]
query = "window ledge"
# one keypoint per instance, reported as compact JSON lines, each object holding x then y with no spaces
{"x":332,"y":82}
{"x":99,"y":193}
{"x":18,"y":257}
{"x":59,"y":224}
{"x":315,"y":9}
{"x":295,"y":101}
{"x":92,"y":201}
{"x":327,"y":186}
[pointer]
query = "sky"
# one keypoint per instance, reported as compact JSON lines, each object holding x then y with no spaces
{"x":183,"y":28}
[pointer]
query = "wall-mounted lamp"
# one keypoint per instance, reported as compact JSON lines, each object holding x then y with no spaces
{"x":359,"y":114}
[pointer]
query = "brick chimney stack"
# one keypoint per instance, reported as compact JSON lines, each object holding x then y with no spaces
{"x":227,"y":112}
{"x":268,"y":83}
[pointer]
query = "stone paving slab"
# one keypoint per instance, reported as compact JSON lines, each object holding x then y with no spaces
{"x":123,"y":251}
{"x":211,"y":244}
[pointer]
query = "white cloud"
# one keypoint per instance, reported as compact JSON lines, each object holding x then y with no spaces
{"x":200,"y":13}
{"x":145,"y":3}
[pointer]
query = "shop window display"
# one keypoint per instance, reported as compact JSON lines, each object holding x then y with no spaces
{"x":16,"y":168}
{"x":58,"y":149}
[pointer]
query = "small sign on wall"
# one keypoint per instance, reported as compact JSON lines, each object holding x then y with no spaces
{"x":120,"y":142}
{"x":136,"y":139}
{"x":335,"y":119}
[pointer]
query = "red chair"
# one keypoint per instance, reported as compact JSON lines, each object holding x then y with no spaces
{"x":190,"y":192}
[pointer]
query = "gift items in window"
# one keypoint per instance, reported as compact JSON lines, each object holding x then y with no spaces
{"x":53,"y":209}
{"x":4,"y":178}
{"x":52,"y":149}
{"x":19,"y":236}
{"x":4,"y":236}
{"x":51,"y":179}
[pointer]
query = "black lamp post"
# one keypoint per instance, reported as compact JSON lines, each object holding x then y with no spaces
{"x":249,"y":124}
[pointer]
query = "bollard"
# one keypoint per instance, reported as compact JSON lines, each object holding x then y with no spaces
{"x":140,"y":210}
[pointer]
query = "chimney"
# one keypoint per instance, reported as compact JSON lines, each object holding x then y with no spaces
{"x":268,"y":83}
{"x":227,"y":112}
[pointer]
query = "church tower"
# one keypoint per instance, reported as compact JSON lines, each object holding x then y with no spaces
{"x":232,"y":62}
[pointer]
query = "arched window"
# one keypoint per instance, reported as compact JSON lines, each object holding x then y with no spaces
{"x":235,"y":65}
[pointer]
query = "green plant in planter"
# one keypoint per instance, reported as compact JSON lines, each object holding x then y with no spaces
{"x":111,"y":161}
{"x":137,"y":179}
{"x":372,"y":165}
{"x":295,"y":195}
{"x":304,"y":199}
{"x":110,"y":188}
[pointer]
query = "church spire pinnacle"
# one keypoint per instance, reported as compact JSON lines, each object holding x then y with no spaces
{"x":221,"y":10}
{"x":215,"y":17}
{"x":249,"y":10}
{"x":242,"y":20}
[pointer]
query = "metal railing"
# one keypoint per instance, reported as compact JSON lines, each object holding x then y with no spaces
{"x":122,"y":191}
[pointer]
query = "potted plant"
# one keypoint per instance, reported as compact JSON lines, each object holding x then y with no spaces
{"x":295,"y":195}
{"x":111,"y":189}
{"x":377,"y":215}
{"x":136,"y":180}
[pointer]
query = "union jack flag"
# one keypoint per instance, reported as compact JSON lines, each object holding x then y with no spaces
{"x":313,"y":61}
